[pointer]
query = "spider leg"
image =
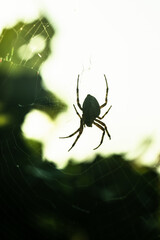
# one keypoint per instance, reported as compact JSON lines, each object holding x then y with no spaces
{"x":80,"y":132}
{"x":72,"y":134}
{"x":78,"y":128}
{"x":102,"y":123}
{"x":105,"y":113}
{"x":99,"y":126}
{"x":78,"y":103}
{"x":104,"y":104}
{"x":77,"y":111}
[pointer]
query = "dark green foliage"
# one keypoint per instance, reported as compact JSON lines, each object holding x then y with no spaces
{"x":105,"y":199}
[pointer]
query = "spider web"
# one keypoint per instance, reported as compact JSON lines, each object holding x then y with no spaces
{"x":21,"y":35}
{"x":108,"y":198}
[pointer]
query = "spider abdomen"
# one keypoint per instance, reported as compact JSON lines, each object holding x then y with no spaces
{"x":91,"y":110}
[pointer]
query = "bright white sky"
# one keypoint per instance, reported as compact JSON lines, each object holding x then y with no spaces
{"x":118,"y":38}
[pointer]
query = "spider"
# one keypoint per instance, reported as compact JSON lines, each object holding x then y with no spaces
{"x":90,"y":115}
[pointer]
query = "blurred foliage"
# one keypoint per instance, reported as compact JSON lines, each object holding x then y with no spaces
{"x":105,"y":199}
{"x":21,"y":90}
{"x":21,"y":34}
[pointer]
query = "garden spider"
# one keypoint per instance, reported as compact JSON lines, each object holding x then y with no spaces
{"x":90,"y":115}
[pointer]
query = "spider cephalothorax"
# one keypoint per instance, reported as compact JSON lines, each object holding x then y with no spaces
{"x":90,"y":114}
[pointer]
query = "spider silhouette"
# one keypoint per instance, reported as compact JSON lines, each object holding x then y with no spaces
{"x":90,"y":115}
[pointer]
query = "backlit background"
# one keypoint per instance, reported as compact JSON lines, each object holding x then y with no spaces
{"x":118,"y":38}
